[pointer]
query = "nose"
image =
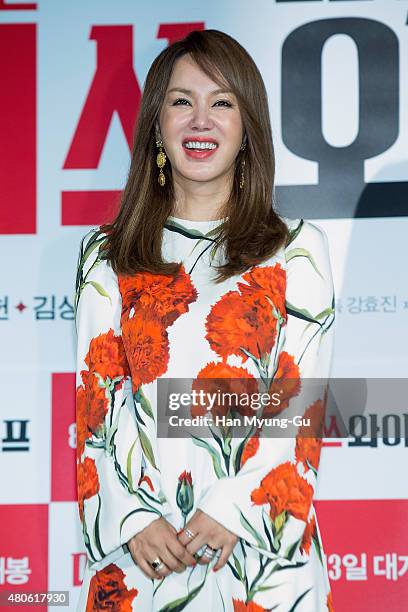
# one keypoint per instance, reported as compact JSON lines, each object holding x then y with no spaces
{"x":201,"y":118}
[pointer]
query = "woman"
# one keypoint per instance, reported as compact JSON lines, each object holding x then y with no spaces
{"x":198,"y":277}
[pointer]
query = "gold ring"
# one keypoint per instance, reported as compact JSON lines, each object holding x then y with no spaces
{"x":157,"y":564}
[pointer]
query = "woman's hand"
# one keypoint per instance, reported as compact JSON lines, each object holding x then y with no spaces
{"x":159,"y":539}
{"x":208,"y":531}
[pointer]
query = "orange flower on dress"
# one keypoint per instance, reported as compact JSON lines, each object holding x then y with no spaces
{"x":106,"y":359}
{"x":237,"y":324}
{"x":269,"y":280}
{"x":96,"y":401}
{"x":150,"y":304}
{"x":250,"y":448}
{"x":309,"y":439}
{"x":108,"y":591}
{"x":243,"y":320}
{"x":87,"y":482}
{"x":82,"y":431}
{"x":240,"y":606}
{"x":185,"y":493}
{"x":186,"y":477}
{"x":287,"y":379}
{"x":308,"y":534}
{"x":148,"y":348}
{"x":284,"y":489}
{"x":308,"y":451}
{"x":166,"y":296}
{"x":107,"y":355}
{"x":223,"y":378}
{"x":329,"y":602}
{"x":147,"y":480}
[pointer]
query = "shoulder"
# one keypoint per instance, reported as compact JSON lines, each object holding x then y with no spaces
{"x":91,"y":252}
{"x":304,"y":233}
{"x":308,"y":264}
{"x":92,"y":266}
{"x":97,"y":296}
{"x":92,"y":242}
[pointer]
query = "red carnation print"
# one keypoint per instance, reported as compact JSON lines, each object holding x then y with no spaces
{"x":237,"y":324}
{"x":95,"y":400}
{"x":147,"y":480}
{"x":269,"y":280}
{"x":308,"y":534}
{"x":224,"y":378}
{"x":308,"y":451}
{"x":316,"y":414}
{"x":148,"y":348}
{"x":240,"y":606}
{"x":106,"y":361}
{"x":185,"y":493}
{"x":82,"y":431}
{"x":329,"y":602}
{"x":285,"y":490}
{"x":108,"y":591}
{"x":107,"y":355}
{"x":286,"y":382}
{"x":167,"y":297}
{"x":244,"y":321}
{"x":87,"y":482}
{"x":309,"y":439}
{"x":250,"y":448}
{"x":186,"y":477}
{"x":150,"y":304}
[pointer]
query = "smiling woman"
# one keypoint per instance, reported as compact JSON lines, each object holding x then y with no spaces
{"x":204,"y":125}
{"x":199,"y":278}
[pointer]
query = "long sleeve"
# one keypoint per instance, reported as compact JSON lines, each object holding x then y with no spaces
{"x":267,"y":499}
{"x":119,"y":492}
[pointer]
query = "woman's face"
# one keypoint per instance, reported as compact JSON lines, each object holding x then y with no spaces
{"x":193,"y":112}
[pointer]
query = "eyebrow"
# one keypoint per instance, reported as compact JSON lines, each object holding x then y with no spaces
{"x":189,"y":92}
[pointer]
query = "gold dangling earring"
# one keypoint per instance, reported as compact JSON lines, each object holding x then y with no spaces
{"x":242,"y":179}
{"x":160,"y":161}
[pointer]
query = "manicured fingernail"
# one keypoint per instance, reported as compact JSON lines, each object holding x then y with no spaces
{"x":215,"y":569}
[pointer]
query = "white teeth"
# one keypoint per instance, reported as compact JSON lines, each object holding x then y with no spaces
{"x":199,"y":145}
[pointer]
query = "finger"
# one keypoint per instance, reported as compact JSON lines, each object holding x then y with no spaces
{"x":148,"y":570}
{"x":181,"y":553}
{"x":183,"y":537}
{"x":149,"y":554}
{"x":163,"y":571}
{"x":225,"y":554}
{"x":196,"y":544}
{"x":171,"y":561}
{"x":205,"y":559}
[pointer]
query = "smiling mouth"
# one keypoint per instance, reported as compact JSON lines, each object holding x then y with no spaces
{"x":200,"y":146}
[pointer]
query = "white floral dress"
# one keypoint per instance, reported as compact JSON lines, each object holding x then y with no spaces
{"x":274,"y":321}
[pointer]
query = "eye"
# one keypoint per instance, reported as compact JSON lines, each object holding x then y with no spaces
{"x":176,"y":102}
{"x":225,"y":102}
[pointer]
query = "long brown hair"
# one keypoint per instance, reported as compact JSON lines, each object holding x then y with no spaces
{"x":253,"y":231}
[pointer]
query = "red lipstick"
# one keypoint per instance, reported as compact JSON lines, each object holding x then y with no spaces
{"x":196,"y":153}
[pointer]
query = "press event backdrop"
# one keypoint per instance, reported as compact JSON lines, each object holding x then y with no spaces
{"x":72,"y":74}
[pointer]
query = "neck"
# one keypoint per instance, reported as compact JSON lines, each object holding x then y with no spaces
{"x":200,"y":204}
